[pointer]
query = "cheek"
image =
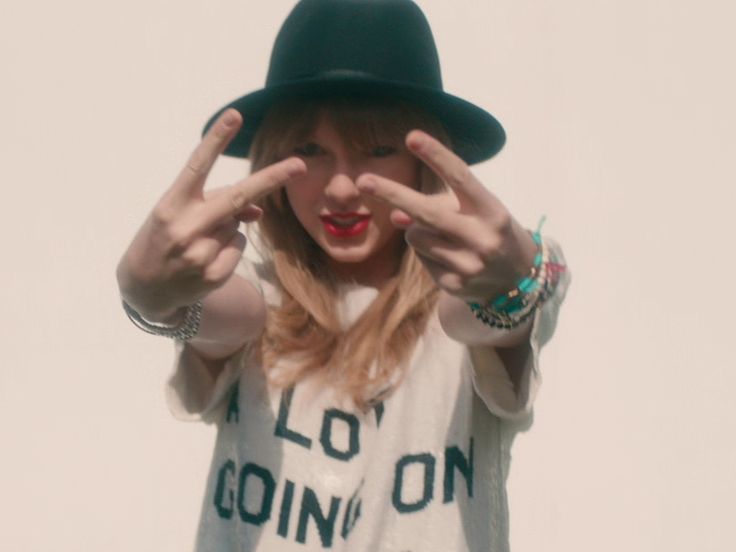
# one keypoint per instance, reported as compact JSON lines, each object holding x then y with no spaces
{"x":382,"y":218}
{"x":301,"y":198}
{"x":406,"y":171}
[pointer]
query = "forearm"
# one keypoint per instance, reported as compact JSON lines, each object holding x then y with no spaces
{"x":232,"y":315}
{"x":459,"y":322}
{"x":511,"y":346}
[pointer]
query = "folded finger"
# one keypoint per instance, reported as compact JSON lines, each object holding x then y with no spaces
{"x":442,"y":274}
{"x":400,"y":219}
{"x":249,"y":213}
{"x":226,"y":261}
{"x":205,"y":249}
{"x":445,"y":252}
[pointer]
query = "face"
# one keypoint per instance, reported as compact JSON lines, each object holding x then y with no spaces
{"x":354,"y":230}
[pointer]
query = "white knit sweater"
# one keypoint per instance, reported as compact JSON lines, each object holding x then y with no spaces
{"x":423,"y":472}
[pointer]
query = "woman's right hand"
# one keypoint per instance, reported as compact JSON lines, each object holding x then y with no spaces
{"x":190,"y":244}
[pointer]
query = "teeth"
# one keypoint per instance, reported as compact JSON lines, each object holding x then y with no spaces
{"x":344,"y":222}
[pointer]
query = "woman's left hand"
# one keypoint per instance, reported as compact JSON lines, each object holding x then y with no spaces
{"x":469,"y":242}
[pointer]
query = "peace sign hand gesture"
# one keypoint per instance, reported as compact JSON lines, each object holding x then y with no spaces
{"x":467,"y":239}
{"x":190,"y":244}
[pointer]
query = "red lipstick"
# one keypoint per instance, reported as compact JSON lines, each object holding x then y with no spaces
{"x":345,"y":225}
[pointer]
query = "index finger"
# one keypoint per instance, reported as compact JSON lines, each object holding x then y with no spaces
{"x":431,"y":211}
{"x":451,"y":169}
{"x":192,"y":177}
{"x":230,"y":202}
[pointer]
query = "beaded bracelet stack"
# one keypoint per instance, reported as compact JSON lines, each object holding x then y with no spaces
{"x":513,"y":308}
{"x":187,"y":329}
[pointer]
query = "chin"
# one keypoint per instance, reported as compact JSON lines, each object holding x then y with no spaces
{"x":347,"y":257}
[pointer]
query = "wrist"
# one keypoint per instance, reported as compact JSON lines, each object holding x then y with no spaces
{"x":165,"y":316}
{"x":514,"y":308}
{"x":138,"y":298}
{"x":176,"y":326}
{"x":460,"y":324}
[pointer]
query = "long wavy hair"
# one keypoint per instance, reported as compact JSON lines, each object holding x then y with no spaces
{"x":303,"y":336}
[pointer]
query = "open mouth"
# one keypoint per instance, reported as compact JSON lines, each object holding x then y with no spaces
{"x":345,"y":225}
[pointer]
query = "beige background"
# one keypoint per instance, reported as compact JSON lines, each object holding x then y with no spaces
{"x":620,"y":123}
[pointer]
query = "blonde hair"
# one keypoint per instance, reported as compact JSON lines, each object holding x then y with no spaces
{"x":366,"y":361}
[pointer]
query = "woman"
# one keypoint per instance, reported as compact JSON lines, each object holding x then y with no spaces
{"x":366,"y":375}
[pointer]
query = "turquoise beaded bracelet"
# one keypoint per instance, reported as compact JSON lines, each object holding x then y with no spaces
{"x":511,"y":309}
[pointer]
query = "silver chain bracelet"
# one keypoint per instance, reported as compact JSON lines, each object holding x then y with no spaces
{"x":187,"y":329}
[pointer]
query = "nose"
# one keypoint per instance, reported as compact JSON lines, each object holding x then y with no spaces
{"x":341,"y":188}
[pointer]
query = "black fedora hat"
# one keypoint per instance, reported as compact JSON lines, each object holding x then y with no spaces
{"x":368,"y":48}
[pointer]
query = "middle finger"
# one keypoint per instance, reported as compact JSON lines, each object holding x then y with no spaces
{"x":192,"y":177}
{"x":229,"y":203}
{"x":451,"y":169}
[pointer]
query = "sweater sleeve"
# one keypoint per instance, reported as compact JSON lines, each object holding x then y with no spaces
{"x":490,"y":377}
{"x":192,"y":393}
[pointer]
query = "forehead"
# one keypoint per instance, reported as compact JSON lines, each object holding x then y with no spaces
{"x":355,"y":125}
{"x":323,"y":124}
{"x":360,"y":123}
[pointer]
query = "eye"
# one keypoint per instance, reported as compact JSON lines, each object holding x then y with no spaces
{"x":310,"y":149}
{"x":383,"y":151}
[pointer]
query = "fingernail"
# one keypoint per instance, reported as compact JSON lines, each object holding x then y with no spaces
{"x":415,"y":141}
{"x":294,"y":168}
{"x":367,"y":184}
{"x":230,"y":119}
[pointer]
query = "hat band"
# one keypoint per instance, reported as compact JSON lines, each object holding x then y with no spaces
{"x":338,"y":76}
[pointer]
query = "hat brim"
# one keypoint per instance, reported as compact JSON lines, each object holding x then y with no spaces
{"x":476,"y":135}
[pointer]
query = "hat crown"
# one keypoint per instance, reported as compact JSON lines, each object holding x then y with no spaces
{"x":366,"y":48}
{"x":388,"y":40}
